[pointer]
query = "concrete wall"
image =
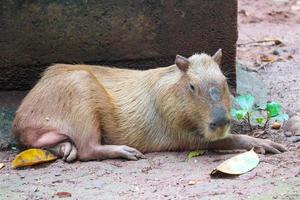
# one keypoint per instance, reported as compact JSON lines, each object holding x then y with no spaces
{"x":129,"y":33}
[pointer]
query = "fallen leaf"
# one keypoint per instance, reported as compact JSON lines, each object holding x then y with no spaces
{"x":63,"y":194}
{"x":238,"y":164}
{"x":2,"y":165}
{"x":266,"y":58}
{"x":32,"y":157}
{"x":196,"y":153}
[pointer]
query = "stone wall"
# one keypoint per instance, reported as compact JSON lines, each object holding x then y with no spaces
{"x":130,"y":33}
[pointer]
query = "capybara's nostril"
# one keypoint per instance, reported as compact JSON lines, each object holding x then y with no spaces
{"x":213,"y":126}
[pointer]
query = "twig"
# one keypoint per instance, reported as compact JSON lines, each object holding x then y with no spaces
{"x":265,"y":125}
{"x":277,"y":42}
{"x":248,"y":120}
{"x":267,"y":64}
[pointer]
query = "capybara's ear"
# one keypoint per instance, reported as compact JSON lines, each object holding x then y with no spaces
{"x":218,"y":57}
{"x":182,"y":63}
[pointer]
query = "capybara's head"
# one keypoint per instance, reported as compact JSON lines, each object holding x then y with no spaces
{"x":199,"y":97}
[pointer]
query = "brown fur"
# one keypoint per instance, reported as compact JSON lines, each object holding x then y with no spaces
{"x":152,"y":110}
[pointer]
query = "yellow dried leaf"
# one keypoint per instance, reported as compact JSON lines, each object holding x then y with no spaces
{"x":265,"y":58}
{"x":32,"y":157}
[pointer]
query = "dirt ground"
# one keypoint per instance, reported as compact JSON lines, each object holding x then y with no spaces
{"x":167,"y":175}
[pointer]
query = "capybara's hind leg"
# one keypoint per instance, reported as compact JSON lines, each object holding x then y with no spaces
{"x":51,"y":140}
{"x":41,"y":137}
{"x":100,"y":152}
{"x":90,"y":147}
{"x":95,"y":108}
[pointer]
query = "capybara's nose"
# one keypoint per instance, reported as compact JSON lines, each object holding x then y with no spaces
{"x":220,"y":122}
{"x":219,"y":118}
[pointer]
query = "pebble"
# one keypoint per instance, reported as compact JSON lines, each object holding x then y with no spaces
{"x":288,"y":134}
{"x":276,"y":125}
{"x":276,"y":52}
{"x":192,"y":183}
{"x":294,"y":139}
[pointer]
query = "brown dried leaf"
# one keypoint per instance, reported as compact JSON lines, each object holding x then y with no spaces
{"x":63,"y":194}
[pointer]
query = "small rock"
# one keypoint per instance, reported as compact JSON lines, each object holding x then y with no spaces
{"x":276,"y":52}
{"x":288,"y":134}
{"x":2,"y":165}
{"x":276,"y":125}
{"x":293,"y":125}
{"x":294,"y":139}
{"x":192,"y":182}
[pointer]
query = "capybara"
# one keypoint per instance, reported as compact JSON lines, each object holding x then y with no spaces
{"x":89,"y":112}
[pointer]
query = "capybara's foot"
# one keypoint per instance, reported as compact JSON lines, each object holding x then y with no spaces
{"x":101,"y":152}
{"x":246,"y":142}
{"x":266,"y":146}
{"x":128,"y":153}
{"x":65,"y":150}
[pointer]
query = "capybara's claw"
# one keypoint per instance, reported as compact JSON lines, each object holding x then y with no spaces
{"x":129,"y":153}
{"x":267,"y":146}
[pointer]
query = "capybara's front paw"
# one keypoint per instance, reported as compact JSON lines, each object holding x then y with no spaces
{"x":266,"y":146}
{"x":128,"y":152}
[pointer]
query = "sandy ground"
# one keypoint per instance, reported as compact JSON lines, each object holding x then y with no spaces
{"x":167,"y":175}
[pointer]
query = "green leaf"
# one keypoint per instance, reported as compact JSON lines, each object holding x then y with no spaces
{"x":240,"y":114}
{"x":246,"y":102}
{"x":195,"y":153}
{"x":259,"y":120}
{"x":281,"y":118}
{"x":273,"y":109}
{"x":233,"y":112}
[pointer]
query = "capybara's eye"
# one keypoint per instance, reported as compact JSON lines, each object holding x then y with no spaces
{"x":192,"y":87}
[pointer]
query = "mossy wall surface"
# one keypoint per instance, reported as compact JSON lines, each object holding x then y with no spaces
{"x":129,"y":33}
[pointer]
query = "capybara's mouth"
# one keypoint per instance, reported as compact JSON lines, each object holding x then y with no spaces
{"x":218,"y":134}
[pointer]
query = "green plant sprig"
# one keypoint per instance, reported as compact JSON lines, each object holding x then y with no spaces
{"x":248,"y":112}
